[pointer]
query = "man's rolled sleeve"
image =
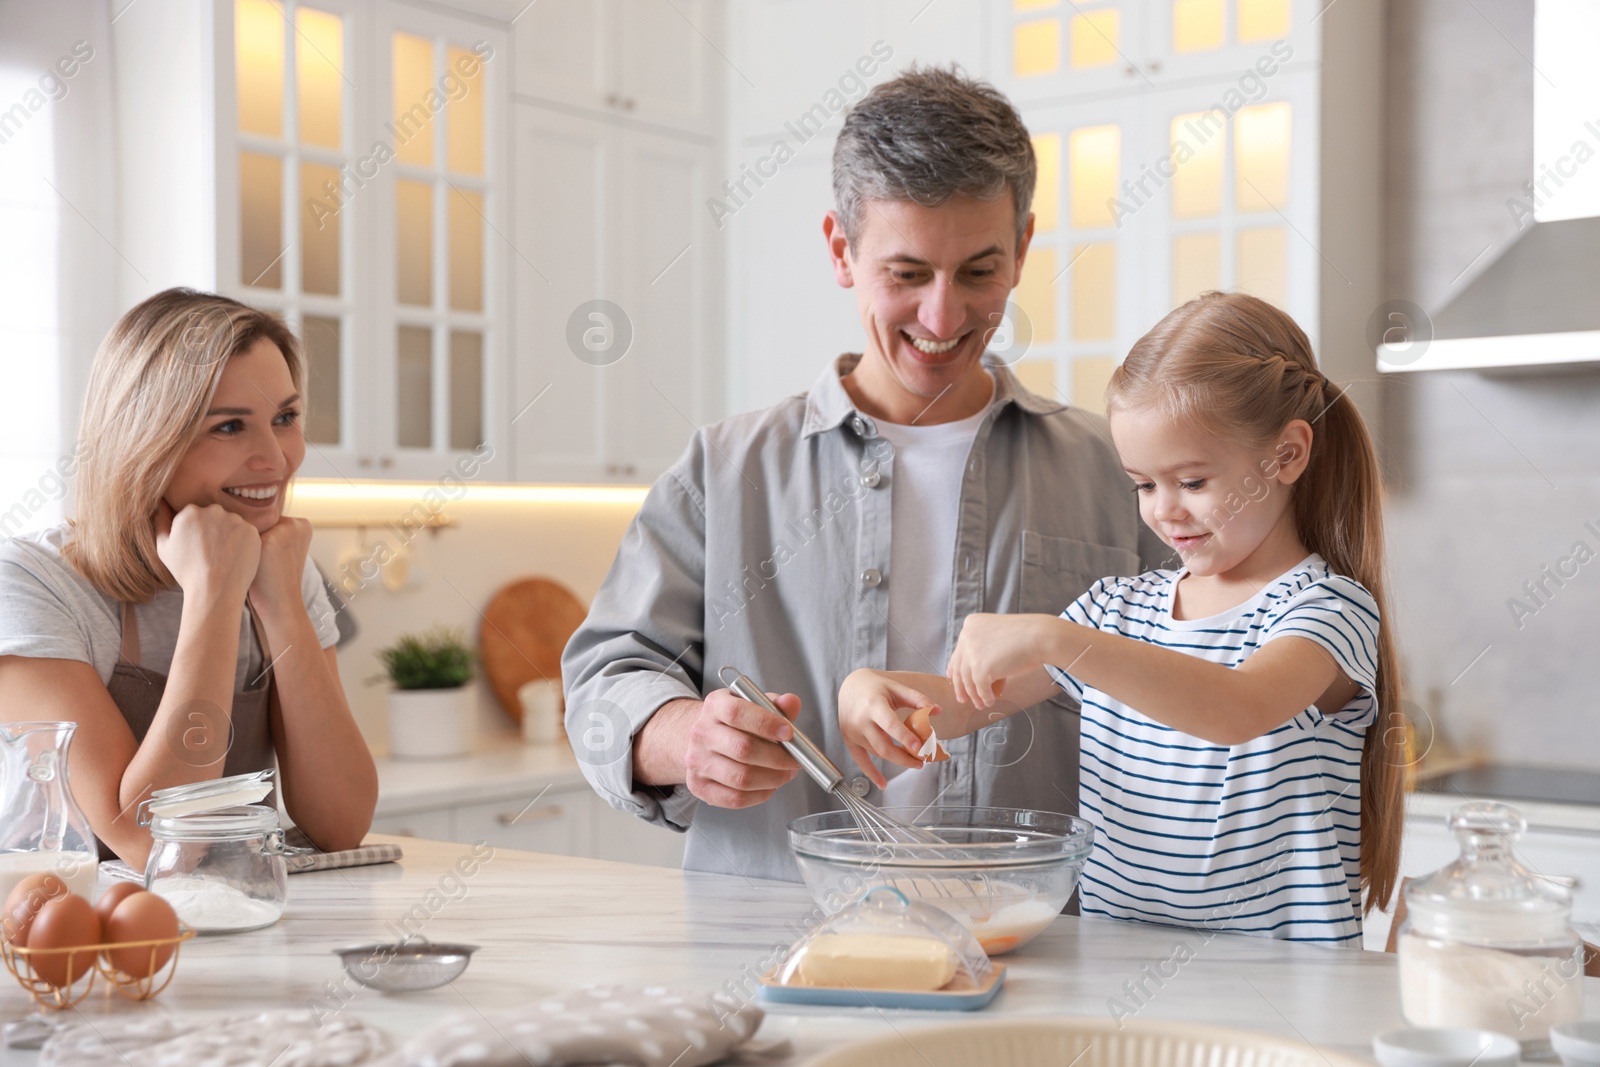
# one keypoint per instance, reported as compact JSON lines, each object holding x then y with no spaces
{"x":642,"y":644}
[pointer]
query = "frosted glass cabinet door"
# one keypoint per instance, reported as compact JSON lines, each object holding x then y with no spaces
{"x":1052,"y":50}
{"x":1244,"y":42}
{"x":1078,"y":305}
{"x":447,"y":322}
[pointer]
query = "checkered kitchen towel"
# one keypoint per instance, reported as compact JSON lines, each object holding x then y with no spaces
{"x":363,"y":856}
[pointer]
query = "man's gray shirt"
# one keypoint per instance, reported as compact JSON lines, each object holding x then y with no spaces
{"x":766,"y":548}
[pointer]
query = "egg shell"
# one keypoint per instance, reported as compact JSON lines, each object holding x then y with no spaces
{"x":65,"y":922}
{"x":108,"y":902}
{"x":23,"y":904}
{"x":921,"y":725}
{"x":142,"y":916}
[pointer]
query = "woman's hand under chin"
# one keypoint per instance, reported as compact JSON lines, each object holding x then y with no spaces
{"x":209,"y":551}
{"x":284,"y":548}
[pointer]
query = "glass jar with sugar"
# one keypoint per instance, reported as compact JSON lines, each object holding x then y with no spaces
{"x":1487,"y":943}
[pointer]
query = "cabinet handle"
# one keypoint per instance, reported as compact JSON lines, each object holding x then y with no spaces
{"x":613,"y":100}
{"x":386,"y":461}
{"x":1130,"y":70}
{"x":628,"y":104}
{"x":544,"y":814}
{"x":365,"y":461}
{"x":1154,"y":65}
{"x":620,"y":469}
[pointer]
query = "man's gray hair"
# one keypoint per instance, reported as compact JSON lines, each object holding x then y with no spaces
{"x":929,"y":135}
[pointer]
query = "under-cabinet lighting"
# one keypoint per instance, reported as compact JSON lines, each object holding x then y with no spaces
{"x":336,"y":490}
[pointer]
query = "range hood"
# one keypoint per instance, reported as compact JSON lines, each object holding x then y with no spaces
{"x":1537,"y":303}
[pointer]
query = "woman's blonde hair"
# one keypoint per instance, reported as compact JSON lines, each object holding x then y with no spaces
{"x":153,"y":379}
{"x":1234,"y":365}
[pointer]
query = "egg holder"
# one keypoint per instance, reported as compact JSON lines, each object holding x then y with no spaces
{"x":18,"y":961}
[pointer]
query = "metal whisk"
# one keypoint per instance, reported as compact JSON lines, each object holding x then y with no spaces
{"x":877,"y":824}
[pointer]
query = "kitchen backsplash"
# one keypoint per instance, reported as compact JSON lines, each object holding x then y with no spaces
{"x":455,"y":571}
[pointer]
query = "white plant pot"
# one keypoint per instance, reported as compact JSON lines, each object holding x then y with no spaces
{"x":431,"y":723}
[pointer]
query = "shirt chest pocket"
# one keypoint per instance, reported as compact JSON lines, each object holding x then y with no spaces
{"x":1058,"y":570}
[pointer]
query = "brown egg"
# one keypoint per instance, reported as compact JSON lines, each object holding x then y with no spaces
{"x":142,"y":916}
{"x":921,"y":725}
{"x":65,"y":922}
{"x":23,"y":904}
{"x":108,"y":902}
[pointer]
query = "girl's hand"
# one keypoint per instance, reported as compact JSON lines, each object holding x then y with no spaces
{"x":992,"y":648}
{"x":872,"y":711}
{"x":209,"y":550}
{"x":283,"y":563}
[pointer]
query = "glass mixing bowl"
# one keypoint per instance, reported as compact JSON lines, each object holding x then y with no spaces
{"x":1004,"y":873}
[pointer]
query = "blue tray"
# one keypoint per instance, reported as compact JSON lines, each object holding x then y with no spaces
{"x":833,"y":996}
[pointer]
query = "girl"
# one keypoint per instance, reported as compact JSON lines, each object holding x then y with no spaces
{"x":179,"y":620}
{"x":1240,"y":755}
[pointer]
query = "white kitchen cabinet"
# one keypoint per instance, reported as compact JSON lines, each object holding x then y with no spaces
{"x":557,"y":821}
{"x":429,"y":825}
{"x":623,"y":838}
{"x":648,"y":60}
{"x":351,"y":175}
{"x":570,"y":820}
{"x":616,"y":361}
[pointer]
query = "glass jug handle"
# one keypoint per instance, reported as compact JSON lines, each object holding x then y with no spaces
{"x":43,"y":769}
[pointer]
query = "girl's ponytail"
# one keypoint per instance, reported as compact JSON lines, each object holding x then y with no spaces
{"x":1338,"y":509}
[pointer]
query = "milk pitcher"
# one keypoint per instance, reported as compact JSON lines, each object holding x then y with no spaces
{"x":41,"y":826}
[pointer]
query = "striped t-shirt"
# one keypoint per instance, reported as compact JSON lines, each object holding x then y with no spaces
{"x":1261,"y":837}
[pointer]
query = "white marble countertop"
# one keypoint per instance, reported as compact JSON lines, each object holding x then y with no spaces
{"x":502,"y":766}
{"x":547,"y":924}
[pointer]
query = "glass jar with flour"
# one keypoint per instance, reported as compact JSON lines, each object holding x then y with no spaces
{"x":218,"y":857}
{"x":1487,"y":943}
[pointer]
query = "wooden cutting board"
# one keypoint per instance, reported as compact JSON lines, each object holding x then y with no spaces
{"x":525,"y":627}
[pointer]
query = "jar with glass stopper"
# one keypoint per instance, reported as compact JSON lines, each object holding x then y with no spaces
{"x":1488,"y":944}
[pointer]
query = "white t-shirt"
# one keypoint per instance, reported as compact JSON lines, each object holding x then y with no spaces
{"x":50,"y":611}
{"x":1262,"y":837}
{"x":925,"y":505}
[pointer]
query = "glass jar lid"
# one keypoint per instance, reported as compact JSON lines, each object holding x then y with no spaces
{"x":1486,"y":895}
{"x":180,"y":800}
{"x":238,"y":823}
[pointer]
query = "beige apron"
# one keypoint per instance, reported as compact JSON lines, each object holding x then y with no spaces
{"x":137,"y":693}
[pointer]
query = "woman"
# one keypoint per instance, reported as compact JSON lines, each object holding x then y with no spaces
{"x":178,"y":619}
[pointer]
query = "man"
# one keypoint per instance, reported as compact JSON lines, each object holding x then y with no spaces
{"x":858,"y":525}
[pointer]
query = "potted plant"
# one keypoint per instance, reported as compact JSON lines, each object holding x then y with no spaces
{"x":431,"y":711}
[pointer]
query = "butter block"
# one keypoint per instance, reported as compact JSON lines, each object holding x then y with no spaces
{"x":876,"y":961}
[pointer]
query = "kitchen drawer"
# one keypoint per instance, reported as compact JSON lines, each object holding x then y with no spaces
{"x":557,"y":821}
{"x":624,"y":838}
{"x":432,"y":825}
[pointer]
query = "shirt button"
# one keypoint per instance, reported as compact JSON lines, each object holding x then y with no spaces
{"x":859,"y":786}
{"x":872,"y":577}
{"x":871,"y":479}
{"x":859,"y":425}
